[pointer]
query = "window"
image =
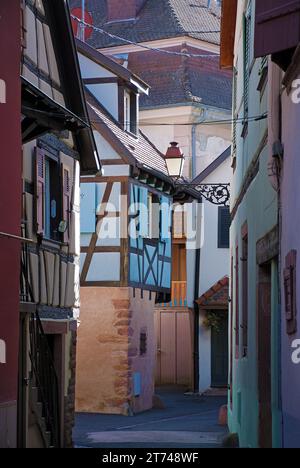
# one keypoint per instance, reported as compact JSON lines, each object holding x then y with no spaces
{"x":153,"y":210}
{"x":290,"y":292}
{"x":245,"y":290}
{"x":223,"y":227}
{"x":127,"y":111}
{"x":143,"y":343}
{"x":53,"y":196}
{"x":237,"y":308}
{"x":234,"y":105}
{"x":247,"y":48}
{"x":131,"y":112}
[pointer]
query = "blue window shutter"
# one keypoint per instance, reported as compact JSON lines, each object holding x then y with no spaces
{"x":134,"y":199}
{"x":165,"y":217}
{"x":88,"y":208}
{"x":144,"y":215}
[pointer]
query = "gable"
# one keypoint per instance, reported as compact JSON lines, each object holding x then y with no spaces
{"x":91,"y":69}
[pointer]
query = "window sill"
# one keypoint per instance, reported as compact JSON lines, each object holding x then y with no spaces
{"x":46,"y":241}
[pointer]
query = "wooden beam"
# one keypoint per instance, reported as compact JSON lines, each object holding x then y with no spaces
{"x":100,"y":179}
{"x":94,"y":81}
{"x":228,"y":25}
{"x":112,"y":162}
{"x":124,"y":267}
{"x":103,"y":249}
{"x":100,"y":284}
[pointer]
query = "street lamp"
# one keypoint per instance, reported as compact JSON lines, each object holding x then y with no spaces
{"x":217,"y":194}
{"x":174,"y":160}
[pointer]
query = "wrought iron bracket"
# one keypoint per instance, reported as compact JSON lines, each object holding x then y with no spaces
{"x":217,"y":194}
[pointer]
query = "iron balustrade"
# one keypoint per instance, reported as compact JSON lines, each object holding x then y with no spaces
{"x":45,"y":378}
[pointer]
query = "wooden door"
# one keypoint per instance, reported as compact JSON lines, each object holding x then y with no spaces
{"x":219,"y":352}
{"x":264,"y":355}
{"x":174,"y":336}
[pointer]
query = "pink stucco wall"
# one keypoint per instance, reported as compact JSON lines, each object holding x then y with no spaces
{"x":290,"y":240}
{"x":108,"y":351}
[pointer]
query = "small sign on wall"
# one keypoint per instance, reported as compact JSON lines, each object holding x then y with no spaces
{"x":2,"y":352}
{"x":137,"y":384}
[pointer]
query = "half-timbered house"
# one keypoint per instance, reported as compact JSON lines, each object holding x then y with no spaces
{"x":126,"y":246}
{"x":58,"y":146}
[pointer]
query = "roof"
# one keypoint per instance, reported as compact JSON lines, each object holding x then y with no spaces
{"x":216,"y":296}
{"x":172,"y":18}
{"x":187,"y":84}
{"x":213,"y":166}
{"x":135,"y":150}
{"x":111,"y":65}
{"x":60,"y":15}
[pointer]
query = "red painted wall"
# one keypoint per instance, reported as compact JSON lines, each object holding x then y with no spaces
{"x":10,"y":192}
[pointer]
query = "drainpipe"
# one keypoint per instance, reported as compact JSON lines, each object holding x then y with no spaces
{"x":82,"y":32}
{"x":194,"y":128}
{"x":196,"y":308}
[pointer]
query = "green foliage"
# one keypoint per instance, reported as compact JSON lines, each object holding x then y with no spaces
{"x":213,"y":320}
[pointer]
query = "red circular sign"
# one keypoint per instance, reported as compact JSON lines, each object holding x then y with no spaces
{"x":78,"y":27}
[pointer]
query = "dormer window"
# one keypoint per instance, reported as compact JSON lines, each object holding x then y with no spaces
{"x":130,"y":112}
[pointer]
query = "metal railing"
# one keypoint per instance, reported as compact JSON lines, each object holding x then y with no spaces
{"x":178,"y":295}
{"x":26,"y":293}
{"x":45,"y":378}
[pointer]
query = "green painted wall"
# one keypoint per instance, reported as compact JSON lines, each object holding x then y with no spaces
{"x":259,"y":208}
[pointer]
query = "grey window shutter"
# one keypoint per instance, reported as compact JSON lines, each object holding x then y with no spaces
{"x":223,"y":227}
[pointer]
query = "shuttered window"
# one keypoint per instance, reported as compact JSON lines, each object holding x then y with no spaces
{"x":247,"y":45}
{"x":245,"y":292}
{"x":290,"y":292}
{"x":165,"y":219}
{"x":145,"y":209}
{"x":277,"y":26}
{"x":66,"y":202}
{"x":52,"y":196}
{"x":223,"y":227}
{"x":237,"y":305}
{"x":40,"y":191}
{"x":235,"y":113}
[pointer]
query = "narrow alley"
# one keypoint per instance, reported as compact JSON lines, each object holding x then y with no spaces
{"x":149,"y":225}
{"x":184,"y":421}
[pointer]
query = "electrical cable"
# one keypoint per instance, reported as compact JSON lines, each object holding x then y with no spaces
{"x":143,"y":46}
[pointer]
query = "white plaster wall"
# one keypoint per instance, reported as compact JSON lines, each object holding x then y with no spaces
{"x":211,"y":140}
{"x":107,"y":95}
{"x":104,"y":148}
{"x":214,"y":262}
{"x":214,"y":265}
{"x":90,"y":69}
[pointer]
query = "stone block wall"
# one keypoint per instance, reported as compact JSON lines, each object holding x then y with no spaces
{"x":108,"y":351}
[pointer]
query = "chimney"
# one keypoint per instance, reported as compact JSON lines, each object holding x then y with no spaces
{"x":118,"y":10}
